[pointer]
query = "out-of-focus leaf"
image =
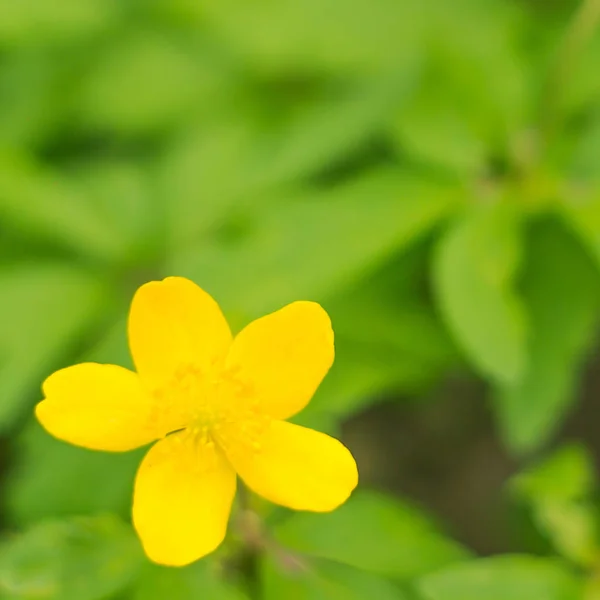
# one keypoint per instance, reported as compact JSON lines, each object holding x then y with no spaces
{"x":54,"y":479}
{"x":384,"y":341}
{"x":374,"y":533}
{"x":317,"y":241}
{"x":145,"y":82}
{"x":584,"y":164}
{"x":568,"y":474}
{"x":200,"y":580}
{"x":561,"y":296}
{"x":559,"y":493}
{"x":431,"y":130}
{"x":581,"y":213}
{"x":222,"y":167}
{"x":31,"y":96}
{"x":122,"y":192}
{"x":76,"y":559}
{"x":503,"y":578}
{"x":298,"y":578}
{"x":320,"y":35}
{"x":582,"y":89}
{"x":44,"y":204}
{"x":592,"y":589}
{"x":479,"y":67}
{"x":474,"y":273}
{"x":37,"y":21}
{"x":46,"y":309}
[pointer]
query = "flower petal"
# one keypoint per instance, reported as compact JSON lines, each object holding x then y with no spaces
{"x":296,"y":467}
{"x":102,"y":407}
{"x":174,"y":324}
{"x":283,"y":357}
{"x":183,"y":495}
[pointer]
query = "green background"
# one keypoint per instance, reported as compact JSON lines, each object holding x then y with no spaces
{"x":428,"y":170}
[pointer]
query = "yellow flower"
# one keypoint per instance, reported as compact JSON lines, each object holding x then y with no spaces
{"x":216,"y":405}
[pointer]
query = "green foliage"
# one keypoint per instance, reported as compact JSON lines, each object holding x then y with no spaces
{"x":374,"y":533}
{"x":321,"y":580}
{"x":561,"y":295}
{"x":474,"y":277}
{"x":514,"y":577}
{"x":429,"y":171}
{"x":559,"y":492}
{"x":78,"y":559}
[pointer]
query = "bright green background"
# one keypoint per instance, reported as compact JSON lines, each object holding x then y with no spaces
{"x":428,"y":170}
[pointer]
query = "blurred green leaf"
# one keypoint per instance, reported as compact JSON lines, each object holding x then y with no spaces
{"x":479,"y":67}
{"x":386,"y":339}
{"x":432,"y":130}
{"x":76,"y":559}
{"x":122,"y":192}
{"x":474,"y":273}
{"x":200,"y":580}
{"x":37,"y":21}
{"x":559,"y":492}
{"x":44,"y":204}
{"x":296,"y":578}
{"x":503,"y":578}
{"x":561,"y":295}
{"x":317,"y":241}
{"x":31,"y":96}
{"x":582,"y":90}
{"x":223,"y":167}
{"x":584,"y":164}
{"x":320,"y":35}
{"x":145,"y":81}
{"x":581,"y":213}
{"x":567,"y":474}
{"x":375,"y":533}
{"x":47,"y":308}
{"x":54,"y":479}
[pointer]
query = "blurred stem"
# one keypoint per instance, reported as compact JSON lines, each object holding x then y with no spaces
{"x":577,"y":35}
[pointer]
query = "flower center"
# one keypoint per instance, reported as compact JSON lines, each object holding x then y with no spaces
{"x":215,"y":405}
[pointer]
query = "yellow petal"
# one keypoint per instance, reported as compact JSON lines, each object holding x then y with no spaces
{"x":174,"y":325}
{"x":282,"y":358}
{"x":183,"y":495}
{"x":294,"y":466}
{"x":102,"y":407}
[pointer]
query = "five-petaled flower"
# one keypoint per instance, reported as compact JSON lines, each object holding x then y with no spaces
{"x":217,"y":406}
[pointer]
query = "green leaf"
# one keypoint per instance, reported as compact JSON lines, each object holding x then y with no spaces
{"x":35,"y":333}
{"x":36,"y":21}
{"x":76,"y":559}
{"x":55,"y":479}
{"x":479,"y":69}
{"x":317,"y":241}
{"x":200,"y":580}
{"x":375,"y":533}
{"x":43,"y":204}
{"x":580,"y":211}
{"x":121,"y":191}
{"x":145,"y":82}
{"x":474,"y":273}
{"x":385,"y":339}
{"x":559,"y":493}
{"x":432,"y":130}
{"x":561,"y":294}
{"x":296,"y":578}
{"x":503,"y":578}
{"x":32,"y":87}
{"x":216,"y":169}
{"x":319,"y":35}
{"x":567,"y":474}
